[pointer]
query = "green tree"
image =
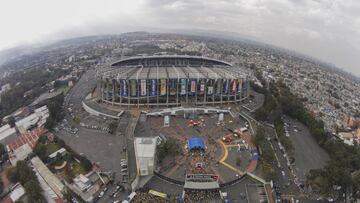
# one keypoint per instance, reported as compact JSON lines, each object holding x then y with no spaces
{"x":40,"y":150}
{"x":33,"y":191}
{"x":112,"y":127}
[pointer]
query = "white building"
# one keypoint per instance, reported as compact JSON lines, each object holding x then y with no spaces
{"x":17,"y":192}
{"x":20,"y":153}
{"x":82,"y":182}
{"x":6,"y":131}
{"x":24,"y":124}
{"x":43,"y":114}
{"x":54,"y":183}
{"x":61,"y":151}
{"x":37,"y":118}
{"x":145,"y":149}
{"x":5,"y":88}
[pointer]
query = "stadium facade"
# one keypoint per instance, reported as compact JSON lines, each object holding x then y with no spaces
{"x":172,"y":80}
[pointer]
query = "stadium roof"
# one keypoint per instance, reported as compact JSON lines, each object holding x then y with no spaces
{"x":152,"y":57}
{"x":174,"y":67}
{"x":196,"y":143}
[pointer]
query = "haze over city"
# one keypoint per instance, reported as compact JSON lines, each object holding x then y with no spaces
{"x":326,"y":30}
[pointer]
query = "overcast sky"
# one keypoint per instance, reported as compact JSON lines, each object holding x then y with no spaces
{"x":325,"y":29}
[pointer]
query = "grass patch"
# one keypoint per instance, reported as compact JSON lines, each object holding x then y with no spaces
{"x":66,"y":90}
{"x":51,"y":148}
{"x":78,"y":169}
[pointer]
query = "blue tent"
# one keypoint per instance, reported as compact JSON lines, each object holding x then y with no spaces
{"x":196,"y":143}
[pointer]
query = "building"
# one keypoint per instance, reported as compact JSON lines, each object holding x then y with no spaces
{"x":82,"y":182}
{"x":61,"y":152}
{"x":145,"y":149}
{"x":38,"y":118}
{"x":5,"y":132}
{"x":22,"y":146}
{"x":171,"y":80}
{"x":54,"y":183}
{"x":48,"y":193}
{"x":347,"y":137}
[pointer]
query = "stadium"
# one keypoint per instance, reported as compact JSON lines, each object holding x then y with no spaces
{"x":172,"y":80}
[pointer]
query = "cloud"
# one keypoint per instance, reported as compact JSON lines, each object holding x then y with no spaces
{"x":328,"y":30}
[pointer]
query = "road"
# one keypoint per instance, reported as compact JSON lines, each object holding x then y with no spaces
{"x":313,"y":157}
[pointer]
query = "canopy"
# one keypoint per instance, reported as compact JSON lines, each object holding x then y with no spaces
{"x":196,"y":143}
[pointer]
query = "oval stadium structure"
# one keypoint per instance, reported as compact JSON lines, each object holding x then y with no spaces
{"x":172,"y":80}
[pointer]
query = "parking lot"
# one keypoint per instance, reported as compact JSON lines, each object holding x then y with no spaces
{"x":100,"y":147}
{"x":92,"y":138}
{"x":308,"y":154}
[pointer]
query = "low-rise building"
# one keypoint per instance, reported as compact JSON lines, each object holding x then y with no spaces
{"x":38,"y":118}
{"x":54,"y":183}
{"x":5,"y":132}
{"x":82,"y":182}
{"x":347,"y":137}
{"x":61,"y":151}
{"x":145,"y":155}
{"x":22,"y":146}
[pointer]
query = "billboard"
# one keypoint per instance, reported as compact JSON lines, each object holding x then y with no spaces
{"x":124,"y":91}
{"x":163,"y":87}
{"x":226,"y":86}
{"x":219,"y":86}
{"x":143,"y":87}
{"x":183,"y":87}
{"x":172,"y":87}
{"x":133,"y":88}
{"x":210,"y":87}
{"x":233,"y":87}
{"x":240,"y":85}
{"x":192,"y":87}
{"x":202,"y":87}
{"x":115,"y":87}
{"x":153,"y":89}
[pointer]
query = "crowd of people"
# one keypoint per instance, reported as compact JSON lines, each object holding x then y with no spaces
{"x":202,"y":196}
{"x":143,"y":197}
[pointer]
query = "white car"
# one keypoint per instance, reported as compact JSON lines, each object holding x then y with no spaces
{"x":101,"y":194}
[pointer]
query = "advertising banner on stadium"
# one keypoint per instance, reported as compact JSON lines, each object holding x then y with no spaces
{"x":163,"y":87}
{"x":172,"y":87}
{"x":193,"y":87}
{"x":210,"y":87}
{"x":143,"y":87}
{"x":183,"y":87}
{"x":202,"y":87}
{"x":153,"y":87}
{"x":133,"y":88}
{"x":210,"y":90}
{"x":233,"y":87}
{"x":240,"y":85}
{"x":123,"y":88}
{"x":219,"y":86}
{"x":114,"y":86}
{"x":226,"y":86}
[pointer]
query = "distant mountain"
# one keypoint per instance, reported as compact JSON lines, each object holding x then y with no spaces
{"x":13,"y":53}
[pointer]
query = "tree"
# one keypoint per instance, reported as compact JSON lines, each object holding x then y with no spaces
{"x":112,"y":127}
{"x":85,"y":163}
{"x":1,"y":186}
{"x":169,"y":147}
{"x":11,"y":121}
{"x":33,"y":191}
{"x":55,"y":111}
{"x":238,"y":161}
{"x":26,"y":176}
{"x":40,"y":150}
